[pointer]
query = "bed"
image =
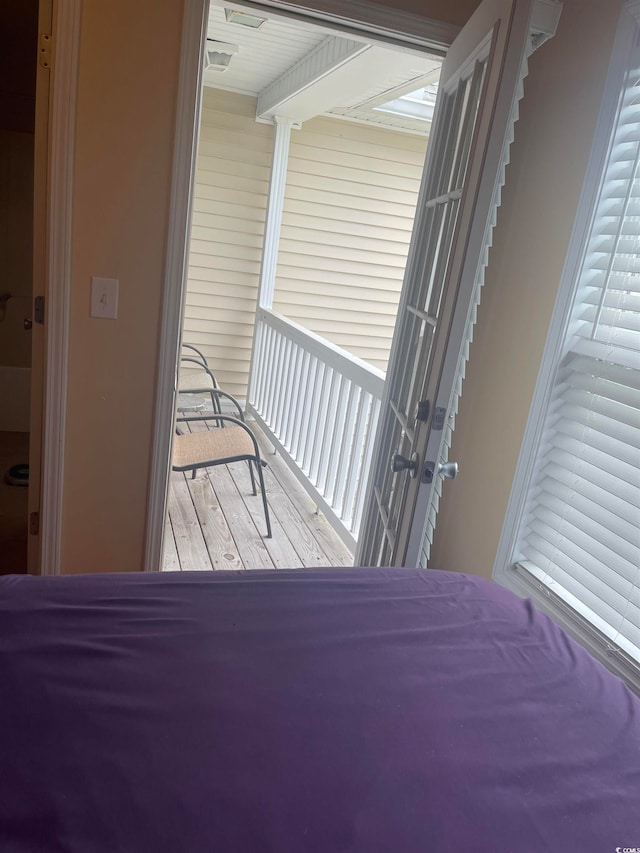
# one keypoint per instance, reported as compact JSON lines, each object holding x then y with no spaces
{"x":319,"y":710}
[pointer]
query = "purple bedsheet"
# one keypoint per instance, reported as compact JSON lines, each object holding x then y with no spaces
{"x":316,"y":710}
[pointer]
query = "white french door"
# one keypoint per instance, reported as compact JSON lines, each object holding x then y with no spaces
{"x":479,"y":90}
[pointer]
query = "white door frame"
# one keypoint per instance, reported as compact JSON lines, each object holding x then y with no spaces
{"x":57,"y":275}
{"x":380,"y":23}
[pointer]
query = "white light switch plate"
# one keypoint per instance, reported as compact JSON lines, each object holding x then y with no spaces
{"x":104,"y":298}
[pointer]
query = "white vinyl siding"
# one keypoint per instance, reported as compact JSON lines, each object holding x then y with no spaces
{"x":580,"y":534}
{"x":348,"y":213}
{"x":232,"y":180}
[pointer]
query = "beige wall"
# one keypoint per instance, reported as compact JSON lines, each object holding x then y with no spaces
{"x":544,"y":180}
{"x":349,"y":207}
{"x":124,"y":134}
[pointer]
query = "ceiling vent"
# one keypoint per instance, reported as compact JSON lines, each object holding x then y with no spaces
{"x":218,"y":54}
{"x":244,"y":18}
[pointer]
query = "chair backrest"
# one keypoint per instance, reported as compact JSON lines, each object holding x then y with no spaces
{"x":204,"y":375}
{"x":195,"y":360}
{"x":191,"y":349}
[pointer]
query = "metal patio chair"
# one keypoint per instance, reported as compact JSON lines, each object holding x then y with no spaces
{"x":226,"y":438}
{"x":194,"y":389}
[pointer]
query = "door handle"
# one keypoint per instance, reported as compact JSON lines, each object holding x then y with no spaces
{"x":27,"y":324}
{"x":448,"y":470}
{"x":401,"y":463}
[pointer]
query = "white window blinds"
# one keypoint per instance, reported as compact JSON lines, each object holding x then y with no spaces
{"x":580,"y":536}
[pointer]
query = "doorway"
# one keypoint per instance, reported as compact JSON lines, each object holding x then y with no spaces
{"x":319,"y":266}
{"x":484,"y":71}
{"x":18,"y":64}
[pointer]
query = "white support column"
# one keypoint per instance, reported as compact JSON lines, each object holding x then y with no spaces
{"x":275,"y":204}
{"x":272,"y":228}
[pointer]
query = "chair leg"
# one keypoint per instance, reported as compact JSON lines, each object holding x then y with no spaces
{"x":253,"y":479}
{"x":193,"y":474}
{"x":264,"y":500}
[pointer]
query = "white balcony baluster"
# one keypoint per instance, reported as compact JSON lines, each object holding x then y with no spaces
{"x":319,"y":406}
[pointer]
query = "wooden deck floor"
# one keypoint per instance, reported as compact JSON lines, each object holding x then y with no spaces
{"x":214,"y":522}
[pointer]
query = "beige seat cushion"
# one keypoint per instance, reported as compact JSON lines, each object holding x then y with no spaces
{"x":198,"y":448}
{"x":192,"y":377}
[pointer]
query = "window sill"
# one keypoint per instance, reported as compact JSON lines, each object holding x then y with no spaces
{"x":517,"y":579}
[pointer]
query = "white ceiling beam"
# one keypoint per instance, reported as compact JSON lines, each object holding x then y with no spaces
{"x":313,"y":87}
{"x":279,"y":96}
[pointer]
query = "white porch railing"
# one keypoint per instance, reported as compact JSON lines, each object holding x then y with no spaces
{"x":319,"y":406}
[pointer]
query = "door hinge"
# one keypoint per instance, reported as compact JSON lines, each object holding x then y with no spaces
{"x":34,"y":523}
{"x":38,"y":309}
{"x":45,"y":50}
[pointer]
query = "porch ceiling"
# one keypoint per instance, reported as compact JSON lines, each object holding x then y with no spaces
{"x":299,"y":70}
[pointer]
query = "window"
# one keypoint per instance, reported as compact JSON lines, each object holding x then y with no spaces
{"x":578,"y":538}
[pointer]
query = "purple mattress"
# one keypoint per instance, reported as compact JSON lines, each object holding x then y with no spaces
{"x":316,"y":710}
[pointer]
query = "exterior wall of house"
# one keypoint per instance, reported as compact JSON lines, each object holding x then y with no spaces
{"x":232,"y":181}
{"x":540,"y":200}
{"x":348,"y":213}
